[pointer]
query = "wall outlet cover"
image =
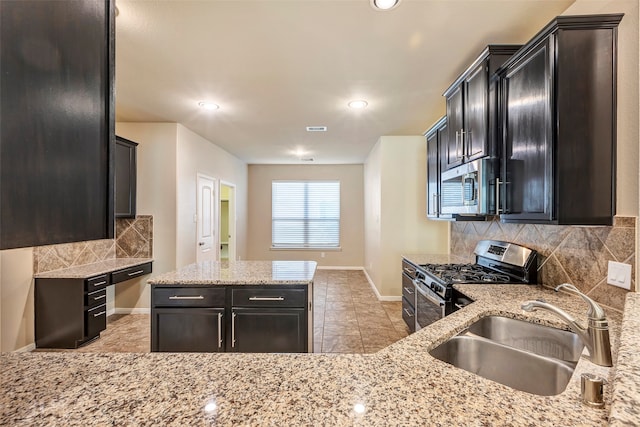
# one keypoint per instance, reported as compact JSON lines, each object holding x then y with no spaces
{"x":619,"y":274}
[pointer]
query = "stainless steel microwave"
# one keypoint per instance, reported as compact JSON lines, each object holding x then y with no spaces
{"x":469,"y":189}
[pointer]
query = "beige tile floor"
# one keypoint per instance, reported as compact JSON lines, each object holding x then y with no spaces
{"x":348,"y":318}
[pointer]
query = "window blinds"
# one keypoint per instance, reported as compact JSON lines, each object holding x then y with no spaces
{"x":305,"y":214}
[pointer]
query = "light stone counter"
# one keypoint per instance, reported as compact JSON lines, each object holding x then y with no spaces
{"x":88,"y":270}
{"x":240,"y":273}
{"x":400,"y":385}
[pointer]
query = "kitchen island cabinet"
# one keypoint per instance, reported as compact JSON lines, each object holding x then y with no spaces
{"x":241,"y":306}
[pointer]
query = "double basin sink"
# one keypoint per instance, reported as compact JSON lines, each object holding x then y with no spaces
{"x":533,"y":358}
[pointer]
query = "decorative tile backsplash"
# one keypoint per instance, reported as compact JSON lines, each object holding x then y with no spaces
{"x":134,"y":239}
{"x":574,"y":254}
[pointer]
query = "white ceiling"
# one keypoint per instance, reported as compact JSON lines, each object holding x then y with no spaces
{"x":275,"y":67}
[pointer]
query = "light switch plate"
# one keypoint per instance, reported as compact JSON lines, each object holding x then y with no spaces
{"x":619,"y":274}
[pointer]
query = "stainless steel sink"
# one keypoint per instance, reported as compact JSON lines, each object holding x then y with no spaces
{"x":515,"y":368}
{"x":522,"y":355}
{"x":538,"y":339}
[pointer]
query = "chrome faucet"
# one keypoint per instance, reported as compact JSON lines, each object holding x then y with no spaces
{"x":595,"y":336}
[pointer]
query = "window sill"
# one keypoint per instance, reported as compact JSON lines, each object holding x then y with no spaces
{"x":314,"y":249}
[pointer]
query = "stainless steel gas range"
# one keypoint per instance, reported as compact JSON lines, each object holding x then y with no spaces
{"x":430,"y":286}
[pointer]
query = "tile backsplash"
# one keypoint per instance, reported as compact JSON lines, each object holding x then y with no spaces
{"x":134,"y":239}
{"x":574,"y":254}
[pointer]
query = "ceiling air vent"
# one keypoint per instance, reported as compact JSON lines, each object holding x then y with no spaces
{"x":316,"y":128}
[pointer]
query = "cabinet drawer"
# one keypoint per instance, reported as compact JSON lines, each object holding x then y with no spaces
{"x":268,"y":297}
{"x":95,"y":298}
{"x":408,"y":315}
{"x":95,"y":321}
{"x":408,"y":289}
{"x":97,"y":282}
{"x":130,"y":273}
{"x":409,"y":269}
{"x":188,"y":297}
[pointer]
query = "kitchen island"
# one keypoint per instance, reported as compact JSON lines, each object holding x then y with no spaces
{"x":400,"y":385}
{"x":238,"y":306}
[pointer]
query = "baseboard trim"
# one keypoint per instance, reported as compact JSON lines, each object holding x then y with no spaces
{"x":26,"y":348}
{"x":111,"y":311}
{"x":132,"y":311}
{"x":339,"y":267}
{"x":375,"y":290}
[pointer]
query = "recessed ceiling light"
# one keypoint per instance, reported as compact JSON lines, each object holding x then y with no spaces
{"x":208,"y":105}
{"x":358,"y":105}
{"x":384,"y":4}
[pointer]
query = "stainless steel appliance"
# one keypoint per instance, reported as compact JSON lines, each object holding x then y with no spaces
{"x":496,"y":262}
{"x":468,"y":189}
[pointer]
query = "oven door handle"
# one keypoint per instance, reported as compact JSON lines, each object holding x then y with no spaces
{"x":428,"y":295}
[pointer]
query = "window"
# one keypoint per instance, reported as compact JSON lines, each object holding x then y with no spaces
{"x":305,"y":214}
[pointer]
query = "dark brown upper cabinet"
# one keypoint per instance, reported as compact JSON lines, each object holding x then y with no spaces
{"x":472,"y":102}
{"x":56,"y":138}
{"x":436,"y":138}
{"x":125,"y":178}
{"x":558,"y":98}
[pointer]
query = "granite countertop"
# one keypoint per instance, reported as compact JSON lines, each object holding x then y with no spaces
{"x":240,"y":273}
{"x":400,"y":385}
{"x":89,"y":270}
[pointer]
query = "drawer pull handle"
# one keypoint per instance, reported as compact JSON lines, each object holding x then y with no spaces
{"x":100,"y":297}
{"x":408,"y":312}
{"x":409,"y":270}
{"x":233,"y":330}
{"x":135,"y":272}
{"x":99,"y":314}
{"x":179,"y":297}
{"x":408,"y":290}
{"x":219,"y":330}
{"x":104,"y":282}
{"x":266,"y":298}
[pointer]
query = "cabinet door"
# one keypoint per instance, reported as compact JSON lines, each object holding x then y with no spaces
{"x":433,"y":174}
{"x":453,"y":149}
{"x":269,"y":330}
{"x":187,"y":329}
{"x":56,"y":138}
{"x":476,"y":113}
{"x":528,"y":145}
{"x":125,"y":178}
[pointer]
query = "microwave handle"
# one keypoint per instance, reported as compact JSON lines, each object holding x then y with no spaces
{"x":498,"y":182}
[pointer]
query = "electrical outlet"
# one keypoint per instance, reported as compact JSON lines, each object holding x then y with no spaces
{"x":619,"y":274}
{"x":321,"y":254}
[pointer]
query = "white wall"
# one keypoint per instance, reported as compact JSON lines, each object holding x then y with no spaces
{"x":372,"y":213}
{"x":351,"y":253}
{"x":396,"y":173}
{"x":169,"y":157}
{"x":16,"y":304}
{"x":197,"y":155}
{"x":156,"y":195}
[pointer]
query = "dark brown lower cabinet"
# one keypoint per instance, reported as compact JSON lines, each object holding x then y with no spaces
{"x":269,"y":330}
{"x":72,"y":311}
{"x":188,"y":329}
{"x":69,"y":311}
{"x":248,"y":319}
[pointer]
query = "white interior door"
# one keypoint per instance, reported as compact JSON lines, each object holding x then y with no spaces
{"x":206,"y":201}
